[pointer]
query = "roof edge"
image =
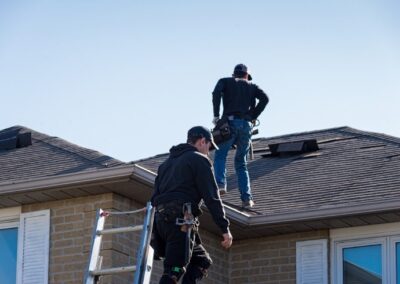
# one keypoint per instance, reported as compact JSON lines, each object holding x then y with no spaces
{"x":67,"y":180}
{"x":144,"y":174}
{"x":318,"y":214}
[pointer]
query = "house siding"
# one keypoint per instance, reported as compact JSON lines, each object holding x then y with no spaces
{"x":269,"y":260}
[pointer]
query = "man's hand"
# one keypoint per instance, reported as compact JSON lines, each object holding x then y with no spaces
{"x":215,"y":120}
{"x":227,"y":242}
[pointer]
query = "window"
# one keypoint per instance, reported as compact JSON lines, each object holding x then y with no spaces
{"x":8,"y":245}
{"x":8,"y":255}
{"x":24,"y":246}
{"x":363,"y":256}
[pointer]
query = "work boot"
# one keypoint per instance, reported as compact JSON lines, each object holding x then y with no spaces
{"x":222,"y":189}
{"x":248,"y":204}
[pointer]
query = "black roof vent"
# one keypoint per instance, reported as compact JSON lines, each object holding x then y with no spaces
{"x":12,"y":139}
{"x":293,"y":148}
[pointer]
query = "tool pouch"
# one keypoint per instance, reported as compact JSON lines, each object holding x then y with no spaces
{"x":170,"y":213}
{"x":222,"y":131}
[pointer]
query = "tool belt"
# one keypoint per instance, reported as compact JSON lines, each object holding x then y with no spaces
{"x":169,"y":211}
{"x":222,"y":131}
{"x":188,"y":221}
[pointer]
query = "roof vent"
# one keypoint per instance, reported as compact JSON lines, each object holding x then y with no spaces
{"x":294,"y":147}
{"x":12,"y":139}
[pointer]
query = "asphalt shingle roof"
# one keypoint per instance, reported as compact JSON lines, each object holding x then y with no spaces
{"x":48,"y":156}
{"x":352,"y":167}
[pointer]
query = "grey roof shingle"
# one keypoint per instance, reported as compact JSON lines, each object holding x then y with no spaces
{"x":48,"y":156}
{"x":352,"y":167}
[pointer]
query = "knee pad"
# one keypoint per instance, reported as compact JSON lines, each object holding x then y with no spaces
{"x":172,"y":274}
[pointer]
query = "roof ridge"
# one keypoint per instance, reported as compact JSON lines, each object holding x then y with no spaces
{"x":303,"y":133}
{"x":377,"y":135}
{"x":72,"y":152}
{"x":47,"y":139}
{"x":148,"y":158}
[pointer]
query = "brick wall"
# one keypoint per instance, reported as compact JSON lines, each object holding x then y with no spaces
{"x":71,"y":230}
{"x":269,"y":260}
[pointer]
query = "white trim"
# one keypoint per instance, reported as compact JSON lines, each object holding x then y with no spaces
{"x":392,"y":259}
{"x":322,"y":266}
{"x":366,"y":231}
{"x":384,"y":234}
{"x":41,"y":238}
{"x":9,"y":225}
{"x":353,"y":244}
{"x":10,"y":216}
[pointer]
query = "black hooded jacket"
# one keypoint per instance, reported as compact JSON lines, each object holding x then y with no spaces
{"x":187,"y":176}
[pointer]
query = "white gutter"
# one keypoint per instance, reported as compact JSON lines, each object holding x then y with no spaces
{"x":324,"y":213}
{"x":67,"y":180}
{"x":144,"y":174}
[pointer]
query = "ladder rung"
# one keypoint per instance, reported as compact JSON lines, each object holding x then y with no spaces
{"x":113,"y":270}
{"x":120,"y":230}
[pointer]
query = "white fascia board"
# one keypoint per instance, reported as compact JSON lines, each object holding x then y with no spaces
{"x":144,"y":174}
{"x":67,"y":180}
{"x":348,"y":210}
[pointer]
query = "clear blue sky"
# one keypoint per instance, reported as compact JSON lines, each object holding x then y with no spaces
{"x":129,"y":78}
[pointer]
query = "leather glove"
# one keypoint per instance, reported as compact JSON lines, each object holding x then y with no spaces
{"x":215,"y":120}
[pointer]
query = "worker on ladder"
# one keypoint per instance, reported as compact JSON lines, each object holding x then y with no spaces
{"x":184,"y":180}
{"x":241,"y":111}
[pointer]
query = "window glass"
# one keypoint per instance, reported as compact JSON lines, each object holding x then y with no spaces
{"x":8,"y":255}
{"x":398,"y":263}
{"x":362,"y":265}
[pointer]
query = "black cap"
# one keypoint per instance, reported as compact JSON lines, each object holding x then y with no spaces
{"x":241,"y":69}
{"x":201,"y":132}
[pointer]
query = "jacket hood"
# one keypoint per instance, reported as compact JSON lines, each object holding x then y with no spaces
{"x":178,"y":150}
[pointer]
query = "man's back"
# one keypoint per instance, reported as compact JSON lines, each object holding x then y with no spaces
{"x":239,"y":98}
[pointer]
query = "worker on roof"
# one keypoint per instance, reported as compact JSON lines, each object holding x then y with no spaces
{"x":186,"y":177}
{"x":241,"y":111}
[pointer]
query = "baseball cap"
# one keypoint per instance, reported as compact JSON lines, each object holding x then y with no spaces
{"x":202,"y":132}
{"x":240,"y":69}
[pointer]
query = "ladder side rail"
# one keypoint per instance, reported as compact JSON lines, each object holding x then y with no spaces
{"x":144,"y":262}
{"x":95,"y":248}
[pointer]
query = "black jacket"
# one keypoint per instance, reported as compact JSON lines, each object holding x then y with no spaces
{"x":187,"y":176}
{"x":239,"y":98}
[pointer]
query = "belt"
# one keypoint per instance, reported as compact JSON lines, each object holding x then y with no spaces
{"x":172,"y":204}
{"x":232,"y":117}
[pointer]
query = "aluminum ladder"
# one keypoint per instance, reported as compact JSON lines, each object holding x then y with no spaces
{"x":144,"y":261}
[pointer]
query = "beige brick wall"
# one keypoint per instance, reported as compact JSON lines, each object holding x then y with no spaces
{"x":72,"y":222}
{"x":269,"y":260}
{"x":71,"y":229}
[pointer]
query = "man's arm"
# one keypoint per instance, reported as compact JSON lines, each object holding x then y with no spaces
{"x":263,"y":100}
{"x":217,"y":96}
{"x":207,"y":186}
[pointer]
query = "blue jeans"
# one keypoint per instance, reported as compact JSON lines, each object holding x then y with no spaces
{"x":241,"y":135}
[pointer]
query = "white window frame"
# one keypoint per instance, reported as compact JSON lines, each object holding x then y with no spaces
{"x":392,"y":256}
{"x":9,"y":217}
{"x":385,"y":234}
